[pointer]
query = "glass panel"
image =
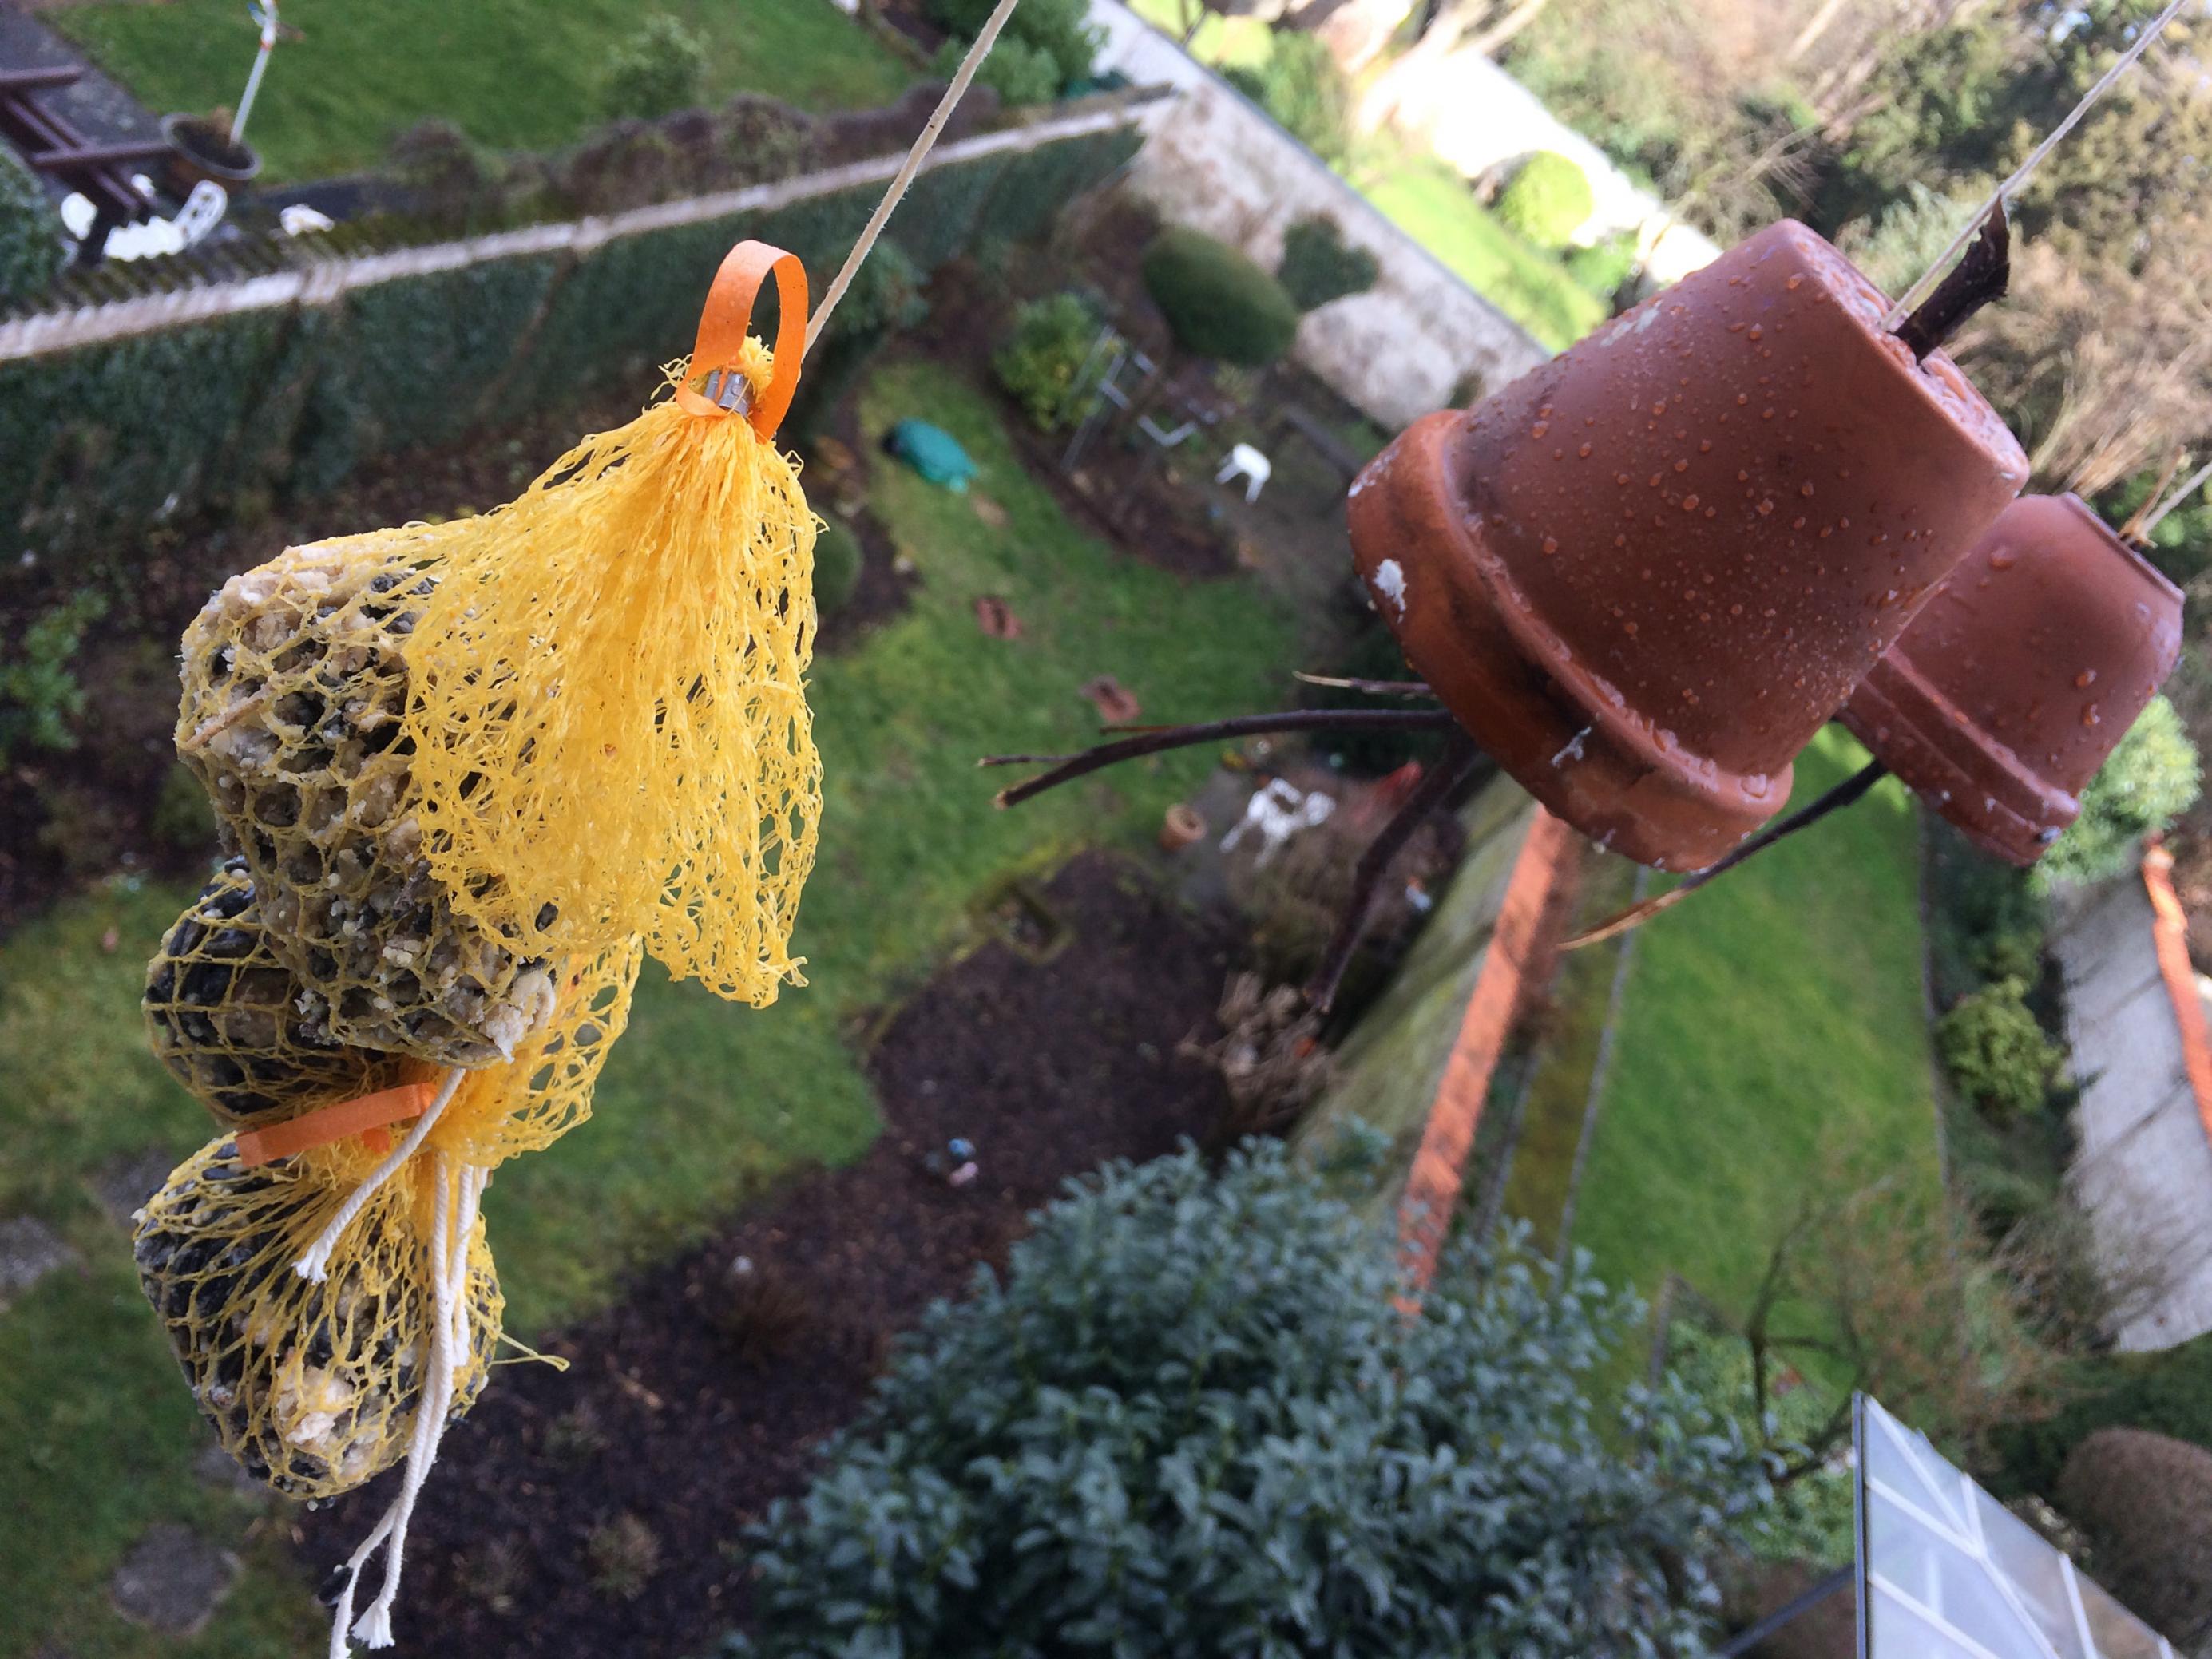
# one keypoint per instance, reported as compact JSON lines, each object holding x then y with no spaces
{"x":2117,"y":1632}
{"x":2036,"y":1572}
{"x":1894,"y":1631}
{"x":1947,"y":1580}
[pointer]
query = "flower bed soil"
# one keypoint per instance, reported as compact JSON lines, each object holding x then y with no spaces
{"x":704,"y":1393}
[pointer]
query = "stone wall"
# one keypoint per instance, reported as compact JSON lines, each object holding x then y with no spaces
{"x":1213,"y":160}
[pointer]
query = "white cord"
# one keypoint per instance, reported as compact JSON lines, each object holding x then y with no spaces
{"x":454,"y":1230}
{"x":977,"y":54}
{"x":2003,"y":192}
{"x":315,"y":1263}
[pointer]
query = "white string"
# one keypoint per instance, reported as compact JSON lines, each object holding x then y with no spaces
{"x":977,"y":54}
{"x":453,"y":1231}
{"x":315,"y":1264}
{"x":2003,"y":192}
{"x":2187,"y":487}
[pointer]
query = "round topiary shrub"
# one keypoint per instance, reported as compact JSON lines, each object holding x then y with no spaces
{"x":1996,"y":1051}
{"x":1020,"y":73}
{"x":32,"y":252}
{"x":661,"y":68}
{"x":2146,"y":783}
{"x":1041,"y":362}
{"x":836,"y":568}
{"x":2146,"y":1503}
{"x":1546,"y":200}
{"x":1193,"y":1419}
{"x":1319,"y":265}
{"x":1217,"y":302}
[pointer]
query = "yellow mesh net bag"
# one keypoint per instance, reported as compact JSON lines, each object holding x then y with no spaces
{"x":313,"y":1387}
{"x":236,"y":1027}
{"x":607,"y":713}
{"x":295,"y":677}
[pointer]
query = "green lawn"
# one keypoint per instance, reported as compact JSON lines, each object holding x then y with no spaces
{"x":1433,"y":203}
{"x":702,"y":1103}
{"x":1772,"y":1027}
{"x":515,"y":74}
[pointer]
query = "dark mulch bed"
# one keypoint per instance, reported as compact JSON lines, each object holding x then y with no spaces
{"x":702,"y":1395}
{"x":65,"y":817}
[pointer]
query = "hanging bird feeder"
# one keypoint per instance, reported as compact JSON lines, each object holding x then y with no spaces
{"x":1644,"y":575}
{"x":2020,"y":674}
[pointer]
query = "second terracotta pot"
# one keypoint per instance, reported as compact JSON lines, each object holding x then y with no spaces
{"x":1645,"y":574}
{"x":2021,"y":674}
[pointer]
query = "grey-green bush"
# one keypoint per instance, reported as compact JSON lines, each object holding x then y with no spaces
{"x":40,"y":696}
{"x":1041,"y":361}
{"x":1217,"y":302}
{"x":1192,"y":1421}
{"x":1546,"y":200}
{"x":2150,"y":780}
{"x":662,"y":67}
{"x":1018,"y":71}
{"x":1996,"y":1051}
{"x":1302,"y":85}
{"x":1062,"y":29}
{"x":31,"y":252}
{"x":836,"y":568}
{"x":2146,"y":1503}
{"x":1319,"y":265}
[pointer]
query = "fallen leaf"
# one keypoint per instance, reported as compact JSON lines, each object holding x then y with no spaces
{"x":1114,"y":705}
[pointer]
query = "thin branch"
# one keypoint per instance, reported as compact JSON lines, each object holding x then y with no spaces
{"x":1242,"y":725}
{"x":2187,"y":487}
{"x":1370,"y":688}
{"x":1979,"y":278}
{"x":1451,"y":770}
{"x":1637,"y":914}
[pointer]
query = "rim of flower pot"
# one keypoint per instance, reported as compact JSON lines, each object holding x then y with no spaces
{"x":178,"y":129}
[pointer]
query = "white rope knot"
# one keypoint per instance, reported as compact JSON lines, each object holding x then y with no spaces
{"x":315,"y":1263}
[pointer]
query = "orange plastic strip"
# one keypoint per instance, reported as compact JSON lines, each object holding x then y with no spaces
{"x":2170,"y":932}
{"x":367,"y":1114}
{"x":727,"y":314}
{"x":1439,"y":1166}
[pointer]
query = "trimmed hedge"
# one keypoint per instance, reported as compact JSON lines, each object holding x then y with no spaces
{"x":1548,"y":200}
{"x":2146,"y":1503}
{"x":32,"y":254}
{"x":1217,"y":302}
{"x":296,"y":400}
{"x":1319,"y":265}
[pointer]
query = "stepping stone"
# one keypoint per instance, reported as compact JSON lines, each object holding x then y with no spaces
{"x":124,"y":1184}
{"x":29,"y":1250}
{"x":172,"y":1580}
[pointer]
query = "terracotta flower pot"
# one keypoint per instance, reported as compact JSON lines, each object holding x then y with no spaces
{"x":1642,"y":575}
{"x":2020,"y":674}
{"x":199,"y":151}
{"x":1183,"y":825}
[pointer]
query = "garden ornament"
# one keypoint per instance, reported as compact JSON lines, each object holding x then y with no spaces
{"x":1644,"y":575}
{"x":1248,"y":464}
{"x":2020,"y":674}
{"x":1275,"y":814}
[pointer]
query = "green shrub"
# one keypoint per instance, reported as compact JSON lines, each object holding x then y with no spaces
{"x":2146,"y":1501}
{"x":836,"y":568}
{"x":1604,"y":268}
{"x":1021,"y":74}
{"x":1319,"y":265}
{"x":2144,"y":785}
{"x":39,"y":694}
{"x":662,"y":67}
{"x":31,"y":250}
{"x":1039,"y":364}
{"x":2169,"y":1391}
{"x":1061,"y":29}
{"x":1546,"y":200}
{"x":1996,"y":1051}
{"x":1217,"y":302}
{"x":1192,"y":1420}
{"x":183,"y":821}
{"x":1301,"y":84}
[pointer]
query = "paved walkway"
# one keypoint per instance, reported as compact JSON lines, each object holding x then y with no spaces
{"x":2143,"y":1172}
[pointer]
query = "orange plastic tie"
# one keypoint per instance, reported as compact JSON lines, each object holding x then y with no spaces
{"x":366,"y":1115}
{"x":726,"y":316}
